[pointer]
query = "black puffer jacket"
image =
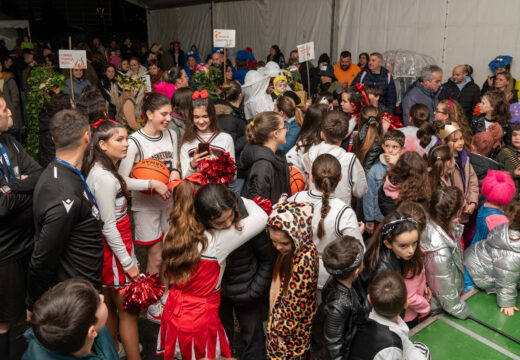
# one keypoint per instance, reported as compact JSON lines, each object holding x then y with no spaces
{"x":232,"y":120}
{"x":249,"y":268}
{"x":478,"y":124}
{"x":482,"y":165}
{"x":267,"y":173}
{"x":468,"y":97}
{"x":336,"y":322}
{"x":372,"y":155}
{"x":387,"y":204}
{"x":387,"y":261}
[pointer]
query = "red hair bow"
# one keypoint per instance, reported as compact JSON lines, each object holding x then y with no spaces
{"x":200,"y":94}
{"x":361,"y":89}
{"x":196,"y":178}
{"x":449,"y":105}
{"x":100,"y":121}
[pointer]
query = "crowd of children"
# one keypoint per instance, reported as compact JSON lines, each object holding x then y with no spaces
{"x":392,"y":224}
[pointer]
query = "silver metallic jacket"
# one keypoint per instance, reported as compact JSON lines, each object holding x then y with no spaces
{"x":494,"y":264}
{"x":444,"y":269}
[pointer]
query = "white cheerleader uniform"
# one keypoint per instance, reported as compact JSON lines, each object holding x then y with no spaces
{"x":118,"y":252}
{"x":151,"y":212}
{"x":341,"y":220}
{"x":219,"y":143}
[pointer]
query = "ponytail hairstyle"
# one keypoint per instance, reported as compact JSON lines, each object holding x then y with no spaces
{"x":310,"y":131}
{"x":437,"y":157}
{"x":497,"y":100}
{"x":410,"y":176}
{"x":287,"y":105}
{"x":370,"y":131}
{"x":456,"y":114}
{"x":212,"y":200}
{"x":154,"y":102}
{"x":393,"y":225}
{"x":445,"y":203}
{"x":513,"y":214}
{"x":181,"y":102}
{"x":420,"y":115}
{"x":326,"y":172}
{"x":185,"y":239}
{"x":105,"y":130}
{"x":259,"y":130}
{"x":190,"y":132}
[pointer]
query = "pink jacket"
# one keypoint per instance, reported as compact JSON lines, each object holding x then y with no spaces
{"x":417,"y":303}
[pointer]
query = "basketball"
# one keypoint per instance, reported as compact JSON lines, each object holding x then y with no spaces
{"x":151,"y":169}
{"x":296,"y":180}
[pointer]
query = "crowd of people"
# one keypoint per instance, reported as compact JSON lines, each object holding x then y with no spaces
{"x":398,"y":209}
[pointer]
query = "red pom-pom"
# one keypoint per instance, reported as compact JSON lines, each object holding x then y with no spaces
{"x":142,"y":293}
{"x":220,"y":170}
{"x":395,"y":121}
{"x":264,"y":203}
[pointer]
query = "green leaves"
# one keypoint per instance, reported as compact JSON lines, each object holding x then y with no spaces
{"x":210,"y":79}
{"x":42,"y":80}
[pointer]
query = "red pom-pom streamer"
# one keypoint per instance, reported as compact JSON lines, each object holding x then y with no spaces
{"x":220,"y":170}
{"x":142,"y":293}
{"x":395,"y":121}
{"x":264,"y":203}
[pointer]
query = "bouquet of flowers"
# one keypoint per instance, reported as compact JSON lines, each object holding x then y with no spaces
{"x":132,"y":82}
{"x":208,"y":78}
{"x":293,"y":80}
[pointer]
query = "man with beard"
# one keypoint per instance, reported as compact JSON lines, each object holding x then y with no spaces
{"x":344,"y":70}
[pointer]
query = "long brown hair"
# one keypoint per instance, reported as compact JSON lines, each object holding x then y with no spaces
{"x":284,"y":263}
{"x":372,"y":258}
{"x":310,"y":131}
{"x":438,"y":155}
{"x":104,"y":132}
{"x":456,"y":114}
{"x":190,"y":132}
{"x":410,"y":176}
{"x":326,"y":172}
{"x":181,"y":252}
{"x":373,"y":134}
{"x":289,"y":108}
{"x":444,"y":205}
{"x":497,"y":100}
{"x":513,"y":214}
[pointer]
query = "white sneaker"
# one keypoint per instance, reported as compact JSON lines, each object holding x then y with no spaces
{"x":122,"y":352}
{"x":154,"y":312}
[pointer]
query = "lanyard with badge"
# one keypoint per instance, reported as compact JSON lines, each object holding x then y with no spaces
{"x":95,"y":209}
{"x":7,"y":164}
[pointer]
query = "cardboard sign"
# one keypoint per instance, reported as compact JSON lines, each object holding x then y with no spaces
{"x":73,"y":59}
{"x":224,"y":38}
{"x":306,"y":52}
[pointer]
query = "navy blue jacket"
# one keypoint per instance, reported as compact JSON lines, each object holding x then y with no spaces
{"x":384,"y":80}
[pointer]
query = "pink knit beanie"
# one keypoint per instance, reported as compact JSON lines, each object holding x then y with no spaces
{"x":498,"y":187}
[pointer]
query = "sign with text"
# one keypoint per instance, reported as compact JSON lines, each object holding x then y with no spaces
{"x":224,"y":38}
{"x":73,"y":59}
{"x":306,"y":52}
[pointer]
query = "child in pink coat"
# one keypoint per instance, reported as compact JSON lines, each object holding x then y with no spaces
{"x":419,"y":294}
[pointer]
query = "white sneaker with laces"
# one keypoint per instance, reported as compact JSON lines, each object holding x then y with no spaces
{"x":154,"y":312}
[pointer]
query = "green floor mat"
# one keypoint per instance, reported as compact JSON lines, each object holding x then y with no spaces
{"x":446,"y":342}
{"x":484,"y":307}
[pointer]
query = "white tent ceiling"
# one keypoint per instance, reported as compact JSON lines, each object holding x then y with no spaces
{"x":452,"y":32}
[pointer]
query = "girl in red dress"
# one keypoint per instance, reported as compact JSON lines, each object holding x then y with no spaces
{"x":204,"y":230}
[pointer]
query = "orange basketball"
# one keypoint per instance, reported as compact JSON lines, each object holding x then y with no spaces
{"x":151,"y":169}
{"x":296,"y":180}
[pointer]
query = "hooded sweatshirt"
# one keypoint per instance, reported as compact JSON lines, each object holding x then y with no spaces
{"x":292,"y":312}
{"x":268,"y":172}
{"x":353,"y":181}
{"x":256,"y":100}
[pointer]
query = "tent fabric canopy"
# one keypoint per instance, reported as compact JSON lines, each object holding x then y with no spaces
{"x":451,"y":32}
{"x":9,"y":32}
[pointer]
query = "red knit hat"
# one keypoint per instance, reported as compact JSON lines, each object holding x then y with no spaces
{"x":498,"y":187}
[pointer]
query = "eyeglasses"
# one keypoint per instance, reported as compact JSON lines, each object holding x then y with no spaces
{"x":285,"y":127}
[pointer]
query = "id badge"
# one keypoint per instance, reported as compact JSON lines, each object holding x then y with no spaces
{"x":95,"y":212}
